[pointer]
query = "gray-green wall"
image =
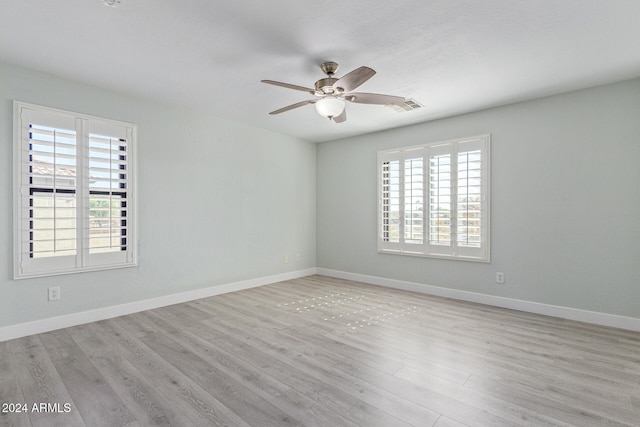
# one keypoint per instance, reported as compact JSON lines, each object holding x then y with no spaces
{"x":218,"y":202}
{"x":221,"y":202}
{"x":565,"y":202}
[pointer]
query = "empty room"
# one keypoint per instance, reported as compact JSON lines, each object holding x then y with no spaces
{"x":286,"y":213}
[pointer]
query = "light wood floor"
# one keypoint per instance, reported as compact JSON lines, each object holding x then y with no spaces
{"x":325,"y":352}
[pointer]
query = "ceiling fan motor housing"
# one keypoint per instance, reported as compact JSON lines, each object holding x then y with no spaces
{"x":325,"y":86}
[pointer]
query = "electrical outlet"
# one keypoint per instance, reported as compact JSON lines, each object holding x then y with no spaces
{"x":286,"y":259}
{"x":298,"y":258}
{"x":500,"y":277}
{"x":54,"y":293}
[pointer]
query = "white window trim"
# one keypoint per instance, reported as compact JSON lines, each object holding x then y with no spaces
{"x":24,"y":267}
{"x":425,"y":249}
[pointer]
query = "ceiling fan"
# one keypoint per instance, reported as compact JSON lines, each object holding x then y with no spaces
{"x":332,"y":93}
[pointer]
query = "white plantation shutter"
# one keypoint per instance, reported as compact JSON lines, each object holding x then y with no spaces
{"x":414,"y":200}
{"x":440,"y":197}
{"x":73,"y":192}
{"x":434,"y":199}
{"x":107,"y":232}
{"x":389,"y":227}
{"x":470,"y":195}
{"x":48,"y":196}
{"x":401,"y":216}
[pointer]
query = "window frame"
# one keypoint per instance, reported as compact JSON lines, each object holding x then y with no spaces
{"x":405,"y":189}
{"x":85,"y":256}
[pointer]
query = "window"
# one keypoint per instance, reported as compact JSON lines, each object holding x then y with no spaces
{"x":74,"y":188}
{"x":433,"y":200}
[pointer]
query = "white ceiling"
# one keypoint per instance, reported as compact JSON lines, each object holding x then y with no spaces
{"x":453,"y":56}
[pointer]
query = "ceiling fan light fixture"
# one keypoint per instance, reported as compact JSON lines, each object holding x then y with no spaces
{"x":330,"y":106}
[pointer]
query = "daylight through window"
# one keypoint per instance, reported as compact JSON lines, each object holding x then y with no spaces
{"x":434,"y":199}
{"x":74,"y":198}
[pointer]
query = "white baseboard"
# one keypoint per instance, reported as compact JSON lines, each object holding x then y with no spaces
{"x":597,"y":318}
{"x":74,"y":319}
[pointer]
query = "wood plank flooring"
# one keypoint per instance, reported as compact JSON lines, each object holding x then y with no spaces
{"x":319,"y":351}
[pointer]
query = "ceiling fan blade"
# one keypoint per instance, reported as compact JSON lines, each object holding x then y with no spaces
{"x":292,"y":106}
{"x":355,"y":78}
{"x":290,"y":86}
{"x":373,"y":98}
{"x":342,"y":117}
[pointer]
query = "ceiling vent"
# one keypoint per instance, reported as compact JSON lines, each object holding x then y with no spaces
{"x":111,"y":3}
{"x":408,"y":105}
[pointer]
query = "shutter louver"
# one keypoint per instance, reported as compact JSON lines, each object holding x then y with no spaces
{"x":107,"y":194}
{"x":414,"y":201}
{"x":469,"y":219}
{"x":440,"y":200}
{"x":52,"y":195}
{"x":391,"y":201}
